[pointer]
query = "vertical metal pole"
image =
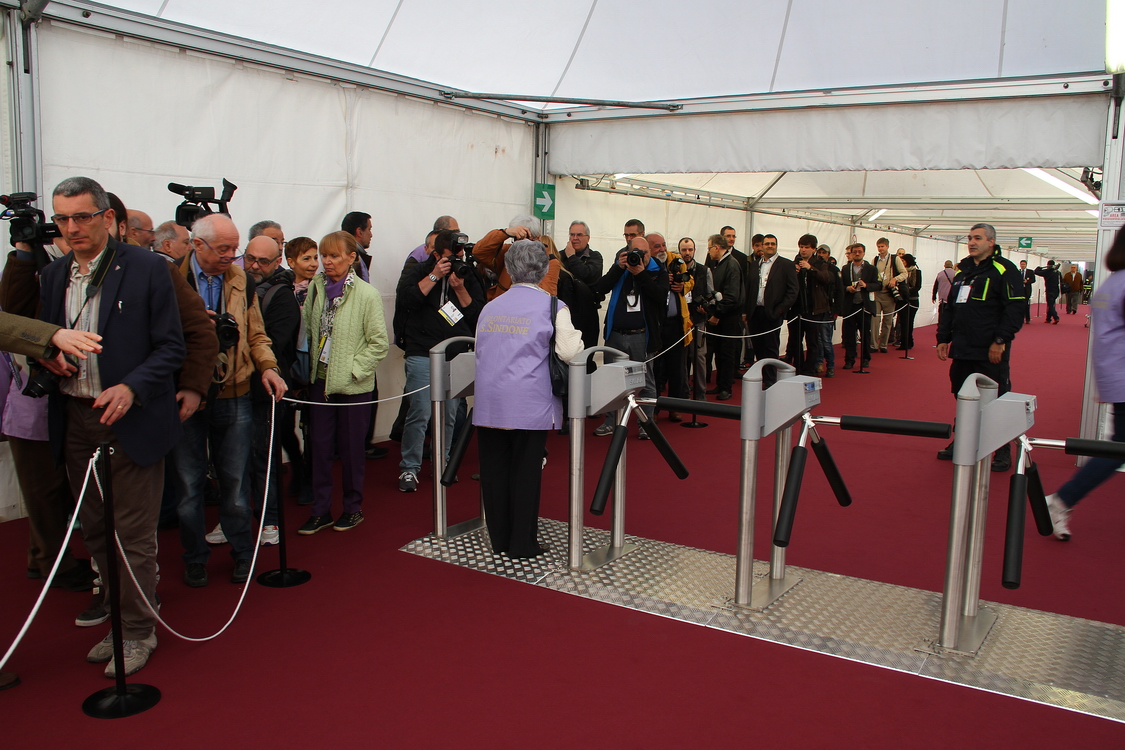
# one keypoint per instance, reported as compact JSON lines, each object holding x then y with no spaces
{"x":577,"y":479}
{"x":978,"y":512}
{"x":618,"y":524}
{"x":781,"y":468}
{"x":112,"y":577}
{"x":744,"y":562}
{"x":437,"y":460}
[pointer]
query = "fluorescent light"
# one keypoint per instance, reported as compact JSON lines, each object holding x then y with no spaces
{"x":878,"y":213}
{"x":1115,"y":36}
{"x":1094,"y":213}
{"x":1066,"y":187}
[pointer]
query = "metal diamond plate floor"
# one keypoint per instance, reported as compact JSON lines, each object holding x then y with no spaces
{"x":1062,"y":661}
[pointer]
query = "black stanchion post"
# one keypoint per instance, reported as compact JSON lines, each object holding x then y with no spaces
{"x":283,"y":577}
{"x":121,"y":700}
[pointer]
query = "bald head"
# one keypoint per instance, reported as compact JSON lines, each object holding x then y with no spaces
{"x":262,"y":257}
{"x":140,"y":229}
{"x":657,"y":246}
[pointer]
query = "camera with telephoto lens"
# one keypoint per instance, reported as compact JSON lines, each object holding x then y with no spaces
{"x":634,"y":258}
{"x":226,"y":328}
{"x":462,"y":260}
{"x":678,"y":269}
{"x":198,"y":200}
{"x":29,"y":225}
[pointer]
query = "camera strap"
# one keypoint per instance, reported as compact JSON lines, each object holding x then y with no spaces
{"x":95,"y":284}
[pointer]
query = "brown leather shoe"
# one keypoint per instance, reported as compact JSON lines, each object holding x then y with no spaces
{"x":674,"y":416}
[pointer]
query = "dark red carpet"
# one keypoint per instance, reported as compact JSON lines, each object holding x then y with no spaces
{"x":384,"y":649}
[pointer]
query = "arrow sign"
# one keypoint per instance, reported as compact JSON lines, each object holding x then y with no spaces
{"x":1026,"y":243}
{"x":544,"y":199}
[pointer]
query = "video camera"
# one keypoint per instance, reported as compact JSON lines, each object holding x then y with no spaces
{"x":198,"y":200}
{"x":29,"y":225}
{"x":462,"y":260}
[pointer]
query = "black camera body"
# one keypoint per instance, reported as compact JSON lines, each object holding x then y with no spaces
{"x":678,"y":269}
{"x":198,"y":200}
{"x":226,"y":329}
{"x":462,"y":261}
{"x":41,"y":383}
{"x":29,"y":225}
{"x":634,"y":258}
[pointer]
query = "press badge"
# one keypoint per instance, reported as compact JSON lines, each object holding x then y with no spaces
{"x":687,"y":297}
{"x":325,"y":348}
{"x":633,"y":303}
{"x":963,"y":293}
{"x":451,"y":314}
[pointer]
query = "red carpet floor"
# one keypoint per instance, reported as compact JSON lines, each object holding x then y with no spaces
{"x":384,"y":649}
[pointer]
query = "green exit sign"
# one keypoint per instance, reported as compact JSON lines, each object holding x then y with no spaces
{"x":544,"y":201}
{"x":1026,"y":243}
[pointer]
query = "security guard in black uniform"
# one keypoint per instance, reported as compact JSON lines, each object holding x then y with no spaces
{"x":976,"y":328}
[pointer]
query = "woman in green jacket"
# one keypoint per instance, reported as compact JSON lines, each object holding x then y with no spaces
{"x":343,"y":317}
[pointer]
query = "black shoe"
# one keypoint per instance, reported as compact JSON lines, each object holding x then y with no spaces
{"x":348,"y":521}
{"x":196,"y":575}
{"x":1002,"y":459}
{"x":946,"y":453}
{"x":241,"y":571}
{"x":95,"y":614}
{"x":34,"y":574}
{"x":849,"y":364}
{"x":865,"y":363}
{"x":80,"y":578}
{"x":642,"y":435}
{"x":375,"y":451}
{"x":712,"y":391}
{"x":315,"y":524}
{"x":724,"y":395}
{"x":882,"y":350}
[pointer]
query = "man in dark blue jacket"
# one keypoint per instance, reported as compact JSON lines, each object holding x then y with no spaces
{"x":125,"y":396}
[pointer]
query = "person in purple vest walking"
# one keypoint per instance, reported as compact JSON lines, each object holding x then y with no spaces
{"x":514,"y":406}
{"x":1108,"y":306}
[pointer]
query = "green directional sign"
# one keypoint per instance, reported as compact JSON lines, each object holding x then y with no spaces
{"x":1026,"y":243}
{"x":544,"y":201}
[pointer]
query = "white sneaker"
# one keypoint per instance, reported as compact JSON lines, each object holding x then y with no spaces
{"x":270,"y":536}
{"x":1060,"y":516}
{"x":216,"y":536}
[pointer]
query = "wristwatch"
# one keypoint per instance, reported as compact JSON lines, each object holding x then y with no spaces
{"x":999,"y":340}
{"x":433,"y":278}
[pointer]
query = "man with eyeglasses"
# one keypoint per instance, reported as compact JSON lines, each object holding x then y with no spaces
{"x":140,"y":229}
{"x":584,"y":263}
{"x":125,"y":396}
{"x":226,"y":421}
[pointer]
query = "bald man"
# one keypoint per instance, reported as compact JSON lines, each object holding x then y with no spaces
{"x":140,"y":231}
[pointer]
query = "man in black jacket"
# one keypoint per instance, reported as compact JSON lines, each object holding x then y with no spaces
{"x":584,"y":263}
{"x":977,"y":327}
{"x":771,"y":289}
{"x":281,"y":316}
{"x":859,"y":279}
{"x":724,"y":313}
{"x":1051,"y":279}
{"x":437,"y":305}
{"x":638,"y":294}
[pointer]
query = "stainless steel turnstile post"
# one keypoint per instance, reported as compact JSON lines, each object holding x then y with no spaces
{"x":448,"y":380}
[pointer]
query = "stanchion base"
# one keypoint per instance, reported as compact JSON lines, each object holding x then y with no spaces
{"x":107,"y":704}
{"x":906,"y":356}
{"x":465,"y":527}
{"x":765,"y":592}
{"x":283,"y":579}
{"x":970,"y":635}
{"x":600,"y":557}
{"x":693,"y":424}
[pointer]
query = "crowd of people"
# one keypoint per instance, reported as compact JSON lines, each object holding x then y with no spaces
{"x":177,"y":349}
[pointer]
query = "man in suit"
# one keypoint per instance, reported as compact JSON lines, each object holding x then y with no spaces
{"x":1028,"y":282}
{"x":771,"y":289}
{"x":125,"y":396}
{"x":860,"y":280}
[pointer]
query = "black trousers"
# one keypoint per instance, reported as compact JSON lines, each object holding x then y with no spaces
{"x":854,"y":330}
{"x":511,"y":475}
{"x":766,"y":345}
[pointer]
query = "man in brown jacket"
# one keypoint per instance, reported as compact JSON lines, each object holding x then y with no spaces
{"x":1074,"y":281}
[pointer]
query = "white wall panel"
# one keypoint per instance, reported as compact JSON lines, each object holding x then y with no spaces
{"x":1047,"y":132}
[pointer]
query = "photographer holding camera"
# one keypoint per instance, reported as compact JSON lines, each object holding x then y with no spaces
{"x":436,"y":304}
{"x":489,"y":252}
{"x":638,"y":296}
{"x":676,"y":324}
{"x":226,"y":422}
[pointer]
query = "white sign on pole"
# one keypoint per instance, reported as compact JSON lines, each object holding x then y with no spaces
{"x":1111,"y":216}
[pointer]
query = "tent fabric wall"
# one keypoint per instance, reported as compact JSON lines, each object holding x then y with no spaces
{"x":302,"y":151}
{"x":1055,"y":131}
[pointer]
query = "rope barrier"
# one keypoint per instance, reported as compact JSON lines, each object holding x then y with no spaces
{"x":253,"y":560}
{"x":355,"y":403}
{"x":55,"y":567}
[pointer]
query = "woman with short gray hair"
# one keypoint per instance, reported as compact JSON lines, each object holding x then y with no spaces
{"x":514,"y":404}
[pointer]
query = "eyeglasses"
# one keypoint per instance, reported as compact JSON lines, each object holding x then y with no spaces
{"x":233,"y":250}
{"x":259,"y":262}
{"x":580,"y":234}
{"x":80,"y":219}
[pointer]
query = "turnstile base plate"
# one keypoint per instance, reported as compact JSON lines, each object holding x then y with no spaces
{"x":1039,"y":656}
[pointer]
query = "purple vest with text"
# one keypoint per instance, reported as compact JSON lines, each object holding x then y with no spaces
{"x":513,"y":382}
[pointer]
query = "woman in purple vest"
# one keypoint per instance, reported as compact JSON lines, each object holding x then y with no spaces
{"x":1108,"y":306}
{"x":513,"y":406}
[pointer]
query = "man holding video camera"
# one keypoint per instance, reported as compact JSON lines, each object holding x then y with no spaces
{"x":439,"y":299}
{"x":226,"y":421}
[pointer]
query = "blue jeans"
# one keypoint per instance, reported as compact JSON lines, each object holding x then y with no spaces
{"x":418,"y":415}
{"x":828,"y":354}
{"x":1096,"y":470}
{"x":226,"y":424}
